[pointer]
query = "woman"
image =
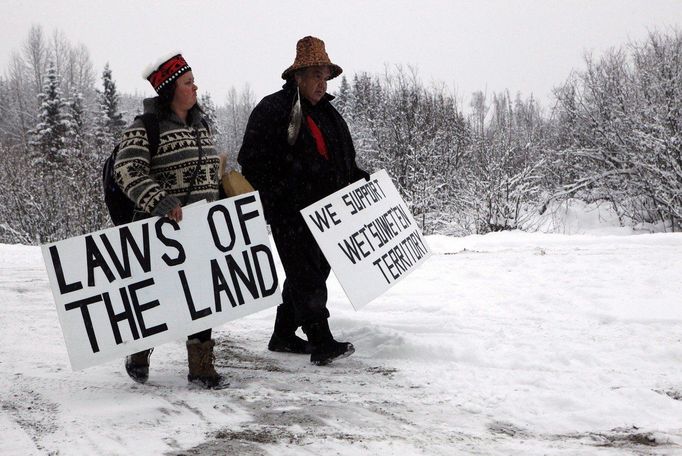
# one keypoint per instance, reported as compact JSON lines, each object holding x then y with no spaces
{"x":183,"y":169}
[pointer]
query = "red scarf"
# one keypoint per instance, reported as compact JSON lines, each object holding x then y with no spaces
{"x":319,"y":139}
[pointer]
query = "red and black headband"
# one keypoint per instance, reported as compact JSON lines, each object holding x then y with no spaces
{"x":168,"y":71}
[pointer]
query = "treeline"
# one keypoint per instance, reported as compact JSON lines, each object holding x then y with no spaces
{"x":613,"y":136}
{"x":461,"y":173}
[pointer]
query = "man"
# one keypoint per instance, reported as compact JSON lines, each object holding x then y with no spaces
{"x":297,"y":150}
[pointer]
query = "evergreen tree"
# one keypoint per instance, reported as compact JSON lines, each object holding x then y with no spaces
{"x":77,"y":110}
{"x":210,"y":112}
{"x":49,"y":136}
{"x":109,"y":121}
{"x":343,"y":100}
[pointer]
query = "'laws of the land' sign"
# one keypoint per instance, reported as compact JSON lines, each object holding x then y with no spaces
{"x":126,"y":289}
{"x":368,"y":236}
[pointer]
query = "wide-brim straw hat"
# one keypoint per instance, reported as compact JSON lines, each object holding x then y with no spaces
{"x":310,"y":52}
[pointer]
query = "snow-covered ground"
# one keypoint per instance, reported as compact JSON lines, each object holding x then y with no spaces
{"x":509,"y":343}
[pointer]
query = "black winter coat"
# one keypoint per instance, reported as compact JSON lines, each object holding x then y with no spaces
{"x":290,"y":178}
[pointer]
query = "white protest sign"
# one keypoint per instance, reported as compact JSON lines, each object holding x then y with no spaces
{"x":368,"y":236}
{"x":129,"y":288}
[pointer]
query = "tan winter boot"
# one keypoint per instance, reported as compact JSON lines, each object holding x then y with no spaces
{"x":200,"y":359}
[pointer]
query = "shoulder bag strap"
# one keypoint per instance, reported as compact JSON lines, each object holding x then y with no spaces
{"x":151,"y":125}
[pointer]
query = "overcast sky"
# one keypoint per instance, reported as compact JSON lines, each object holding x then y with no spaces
{"x":527,"y":46}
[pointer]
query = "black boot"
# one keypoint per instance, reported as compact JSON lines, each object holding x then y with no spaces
{"x":284,"y":338}
{"x":324,"y":348}
{"x":137,"y":365}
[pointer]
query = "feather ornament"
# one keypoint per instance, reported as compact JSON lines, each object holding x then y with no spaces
{"x":295,"y":121}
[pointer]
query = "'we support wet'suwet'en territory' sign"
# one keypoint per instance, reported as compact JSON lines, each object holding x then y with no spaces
{"x":368,"y":235}
{"x":129,"y":288}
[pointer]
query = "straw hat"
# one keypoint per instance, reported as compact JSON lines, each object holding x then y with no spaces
{"x":310,"y":52}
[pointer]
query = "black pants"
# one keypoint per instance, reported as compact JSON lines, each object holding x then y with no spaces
{"x":203,"y":336}
{"x":304,"y":293}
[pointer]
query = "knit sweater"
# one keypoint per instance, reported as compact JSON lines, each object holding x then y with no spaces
{"x":158,"y":184}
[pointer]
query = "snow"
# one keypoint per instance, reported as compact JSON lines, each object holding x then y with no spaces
{"x":574,"y":216}
{"x":508,"y":343}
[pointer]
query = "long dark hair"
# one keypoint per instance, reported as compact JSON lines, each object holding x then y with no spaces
{"x":166,"y":95}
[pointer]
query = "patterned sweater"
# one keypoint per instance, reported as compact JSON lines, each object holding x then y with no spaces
{"x":158,"y":184}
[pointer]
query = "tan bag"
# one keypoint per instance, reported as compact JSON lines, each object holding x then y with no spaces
{"x":235,"y":184}
{"x":232,"y":181}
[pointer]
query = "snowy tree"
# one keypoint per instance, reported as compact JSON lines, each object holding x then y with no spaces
{"x":49,"y":136}
{"x":211,"y":115}
{"x":62,"y":197}
{"x":19,"y":113}
{"x":343,"y":101}
{"x":109,"y":121}
{"x":210,"y":112}
{"x":626,"y":135}
{"x":415,"y":133}
{"x":232,"y":119}
{"x":36,"y":54}
{"x":514,"y":157}
{"x":77,"y":110}
{"x":5,"y":111}
{"x":479,"y":111}
{"x":25,"y":76}
{"x":78,"y":74}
